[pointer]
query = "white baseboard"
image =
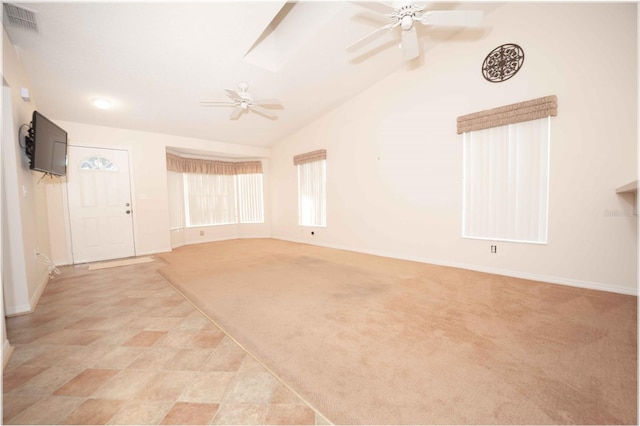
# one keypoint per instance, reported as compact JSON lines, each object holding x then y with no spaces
{"x":7,"y":350}
{"x":491,"y":270}
{"x":33,"y":302}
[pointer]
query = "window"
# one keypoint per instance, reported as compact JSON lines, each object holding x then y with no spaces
{"x":212,"y":192}
{"x":312,"y":193}
{"x":506,"y":180}
{"x":209,"y":199}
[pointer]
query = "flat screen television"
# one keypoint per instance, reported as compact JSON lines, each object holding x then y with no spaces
{"x":47,"y":146}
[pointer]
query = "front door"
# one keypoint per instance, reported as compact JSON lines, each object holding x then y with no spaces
{"x":100,"y":210}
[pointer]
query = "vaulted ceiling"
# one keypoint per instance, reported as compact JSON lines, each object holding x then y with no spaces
{"x":155,"y":62}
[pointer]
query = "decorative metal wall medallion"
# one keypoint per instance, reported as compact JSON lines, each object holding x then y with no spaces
{"x":502,"y":63}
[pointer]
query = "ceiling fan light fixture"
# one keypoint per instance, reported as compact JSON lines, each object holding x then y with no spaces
{"x":406,"y":22}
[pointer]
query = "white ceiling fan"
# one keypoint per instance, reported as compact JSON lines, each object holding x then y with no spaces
{"x":405,"y":14}
{"x":243,"y":101}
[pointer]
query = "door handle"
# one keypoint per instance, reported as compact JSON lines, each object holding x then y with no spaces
{"x":128,"y":212}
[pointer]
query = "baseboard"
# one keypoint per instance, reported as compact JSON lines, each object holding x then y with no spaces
{"x":490,"y":270}
{"x":12,"y":311}
{"x":7,"y":351}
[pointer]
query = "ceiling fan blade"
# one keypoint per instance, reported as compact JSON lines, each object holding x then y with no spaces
{"x":366,"y":39}
{"x":236,"y":113}
{"x":453,"y":18}
{"x":233,"y":94}
{"x":410,"y":44}
{"x":270,"y":102}
{"x":263,"y":111}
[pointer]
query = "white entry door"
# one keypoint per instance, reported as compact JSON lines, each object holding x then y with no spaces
{"x":100,"y":211}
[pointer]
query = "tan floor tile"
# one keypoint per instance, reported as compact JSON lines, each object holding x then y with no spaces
{"x":177,"y":339}
{"x":195,"y":321}
{"x":167,"y":385}
{"x":85,"y":383}
{"x":115,"y":337}
{"x":141,"y":413}
{"x":119,"y":357}
{"x":48,"y":381}
{"x":19,"y":375}
{"x":26,"y":335}
{"x":189,"y":413}
{"x":156,"y":324}
{"x":206,"y":339}
{"x":71,"y":337}
{"x":226,"y":357}
{"x":52,"y":355}
{"x":15,"y":404}
{"x":145,"y":338}
{"x":208,"y":387}
{"x":251,"y":388}
{"x":125,"y":385}
{"x":23,"y":354}
{"x":86,"y":323}
{"x":84,"y":356}
{"x":240,"y":414}
{"x":48,"y":411}
{"x":153,"y":358}
{"x":290,"y":415}
{"x":94,"y":412}
{"x":187,"y":359}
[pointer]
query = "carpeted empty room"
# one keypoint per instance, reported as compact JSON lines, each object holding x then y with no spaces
{"x":313,"y":212}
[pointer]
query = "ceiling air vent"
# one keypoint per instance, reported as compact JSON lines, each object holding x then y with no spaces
{"x":20,"y":17}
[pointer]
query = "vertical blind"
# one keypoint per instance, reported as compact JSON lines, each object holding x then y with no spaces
{"x":312,"y":193}
{"x":250,"y":199}
{"x":209,"y":199}
{"x":506,"y":181}
{"x":176,"y":211}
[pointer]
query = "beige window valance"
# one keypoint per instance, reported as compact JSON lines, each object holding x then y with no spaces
{"x":212,"y":167}
{"x":308,"y":157}
{"x":509,"y":114}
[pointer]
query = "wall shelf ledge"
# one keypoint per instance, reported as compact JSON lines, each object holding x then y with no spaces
{"x":630,"y":188}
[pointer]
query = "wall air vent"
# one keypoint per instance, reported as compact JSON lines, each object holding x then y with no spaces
{"x":20,"y":17}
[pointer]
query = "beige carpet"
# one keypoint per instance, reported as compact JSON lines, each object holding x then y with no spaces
{"x":372,"y":340}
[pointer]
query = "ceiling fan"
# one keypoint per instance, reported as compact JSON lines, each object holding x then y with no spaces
{"x":243,"y":101}
{"x":405,"y":14}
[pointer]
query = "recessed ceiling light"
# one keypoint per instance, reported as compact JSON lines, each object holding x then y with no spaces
{"x":102,"y":103}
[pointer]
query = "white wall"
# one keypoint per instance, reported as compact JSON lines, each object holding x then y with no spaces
{"x":394,"y":160}
{"x":25,"y":226}
{"x":149,"y":186}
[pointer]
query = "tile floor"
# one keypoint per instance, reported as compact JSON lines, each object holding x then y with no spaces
{"x":121,"y":346}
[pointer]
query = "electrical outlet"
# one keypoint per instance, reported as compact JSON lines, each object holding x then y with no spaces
{"x":202,"y":232}
{"x":494,"y":249}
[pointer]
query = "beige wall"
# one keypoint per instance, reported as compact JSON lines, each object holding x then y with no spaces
{"x":149,"y":186}
{"x":394,"y":167}
{"x":25,"y":226}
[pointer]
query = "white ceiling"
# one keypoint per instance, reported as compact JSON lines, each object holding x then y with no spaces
{"x":157,"y":60}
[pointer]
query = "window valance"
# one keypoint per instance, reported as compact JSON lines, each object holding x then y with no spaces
{"x":509,"y":114}
{"x":308,"y":157}
{"x":212,"y":167}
